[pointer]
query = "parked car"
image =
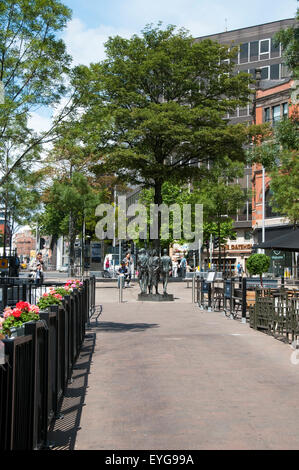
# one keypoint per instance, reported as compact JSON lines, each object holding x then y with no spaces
{"x":63,"y":269}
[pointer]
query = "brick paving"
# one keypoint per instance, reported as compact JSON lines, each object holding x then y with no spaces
{"x":170,"y":376}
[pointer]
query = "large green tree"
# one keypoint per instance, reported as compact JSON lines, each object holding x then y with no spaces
{"x":279,"y":154}
{"x":33,"y":65}
{"x":167,"y":98}
{"x":69,"y":205}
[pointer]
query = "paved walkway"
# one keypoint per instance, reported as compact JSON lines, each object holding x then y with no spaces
{"x":170,"y":376}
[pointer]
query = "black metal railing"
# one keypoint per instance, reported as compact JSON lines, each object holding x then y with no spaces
{"x":38,"y":367}
{"x":276,"y":313}
{"x":234,"y":296}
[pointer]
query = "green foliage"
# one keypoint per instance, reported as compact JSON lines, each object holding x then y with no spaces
{"x":33,"y":62}
{"x":289,"y":39}
{"x":47,"y":301}
{"x":74,"y":195}
{"x":285,"y":186}
{"x":167,"y":97}
{"x":15,"y":322}
{"x":280,"y":157}
{"x":220,"y":199}
{"x":258,"y":263}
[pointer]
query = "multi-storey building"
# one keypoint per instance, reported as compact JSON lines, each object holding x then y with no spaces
{"x":25,"y":243}
{"x":273,"y":103}
{"x":256,"y":49}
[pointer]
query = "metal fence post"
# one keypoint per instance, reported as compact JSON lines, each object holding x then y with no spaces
{"x":209,"y":296}
{"x":244,"y":299}
{"x":121,"y":278}
{"x":193,"y":288}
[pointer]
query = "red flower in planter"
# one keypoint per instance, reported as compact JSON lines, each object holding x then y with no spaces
{"x":23,"y":306}
{"x":17,"y":312}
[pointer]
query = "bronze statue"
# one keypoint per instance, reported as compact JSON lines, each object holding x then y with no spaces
{"x":154,"y":272}
{"x":165,"y":266}
{"x":142,"y":266}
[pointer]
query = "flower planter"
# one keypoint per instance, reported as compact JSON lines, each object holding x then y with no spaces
{"x":18,"y":331}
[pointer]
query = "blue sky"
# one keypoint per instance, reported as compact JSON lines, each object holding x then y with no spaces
{"x":94,"y":21}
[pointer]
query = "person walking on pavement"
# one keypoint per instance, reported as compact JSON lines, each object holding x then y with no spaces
{"x":129,"y":264}
{"x":174,"y":268}
{"x":239,"y":268}
{"x":37,"y":269}
{"x":183,"y":267}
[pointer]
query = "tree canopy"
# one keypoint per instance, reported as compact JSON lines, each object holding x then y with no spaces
{"x":166,"y":98}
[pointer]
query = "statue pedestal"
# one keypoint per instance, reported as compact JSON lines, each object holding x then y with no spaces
{"x":155,"y":297}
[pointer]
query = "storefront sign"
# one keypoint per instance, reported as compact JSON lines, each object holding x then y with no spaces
{"x":277,"y":255}
{"x":240,"y":247}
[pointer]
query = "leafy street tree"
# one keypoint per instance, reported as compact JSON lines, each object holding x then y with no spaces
{"x":278,"y":150}
{"x":20,"y":202}
{"x":33,"y":64}
{"x":69,"y":204}
{"x":289,"y":39}
{"x":258,"y":263}
{"x":279,"y":154}
{"x":167,"y":98}
{"x":285,"y":177}
{"x":220,"y":196}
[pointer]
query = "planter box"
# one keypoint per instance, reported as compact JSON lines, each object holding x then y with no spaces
{"x":18,"y":331}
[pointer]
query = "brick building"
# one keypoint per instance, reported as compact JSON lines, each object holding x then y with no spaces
{"x":24,"y":243}
{"x":274,"y":102}
{"x":256,"y":50}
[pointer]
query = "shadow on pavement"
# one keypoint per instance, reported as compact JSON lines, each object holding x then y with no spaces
{"x":122,"y":327}
{"x":62,"y":432}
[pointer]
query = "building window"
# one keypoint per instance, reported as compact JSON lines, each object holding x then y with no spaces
{"x":274,"y":71}
{"x":244,"y":53}
{"x":264,"y":49}
{"x":276,"y":113}
{"x":254,"y":51}
{"x":267,"y":117}
{"x":265,"y":73}
{"x":275,"y":50}
{"x":285,"y":110}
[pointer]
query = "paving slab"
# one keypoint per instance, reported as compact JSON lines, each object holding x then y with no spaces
{"x":170,"y":376}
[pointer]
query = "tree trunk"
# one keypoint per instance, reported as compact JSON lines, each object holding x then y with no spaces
{"x":158,"y":201}
{"x":72,"y":239}
{"x":219,"y":247}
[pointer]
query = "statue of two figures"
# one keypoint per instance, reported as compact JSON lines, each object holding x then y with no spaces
{"x":150,"y":268}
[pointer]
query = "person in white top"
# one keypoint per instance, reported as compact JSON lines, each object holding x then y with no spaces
{"x":174,"y":268}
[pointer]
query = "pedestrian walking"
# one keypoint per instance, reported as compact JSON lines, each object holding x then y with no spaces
{"x":174,"y":268}
{"x":239,"y":268}
{"x":37,"y":269}
{"x":129,"y":262}
{"x":183,"y":267}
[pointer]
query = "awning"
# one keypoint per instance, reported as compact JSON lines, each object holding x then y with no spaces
{"x":287,"y":242}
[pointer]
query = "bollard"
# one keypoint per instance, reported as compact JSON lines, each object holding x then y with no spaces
{"x":244,"y":299}
{"x":209,"y":297}
{"x":193,"y":288}
{"x":121,"y":279}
